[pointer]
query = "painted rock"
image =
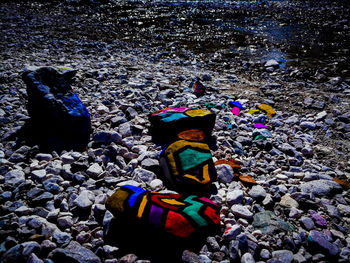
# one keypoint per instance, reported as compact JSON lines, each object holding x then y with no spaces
{"x":188,"y":166}
{"x":58,"y":119}
{"x":167,"y":123}
{"x":181,"y":216}
{"x":198,"y":88}
{"x":268,"y":109}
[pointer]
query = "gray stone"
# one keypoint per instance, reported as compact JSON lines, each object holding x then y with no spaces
{"x":38,"y":175}
{"x":43,"y":157}
{"x":247,"y":258}
{"x":156,"y":184}
{"x":143,"y":175}
{"x":232,"y":232}
{"x":271,"y":63}
{"x":14,"y":177}
{"x":321,"y":187}
{"x":308,"y":125}
{"x":61,"y":237}
{"x":288,"y":201}
{"x":265,"y":254}
{"x":234,"y":197}
{"x":85,"y":199}
{"x":224,"y":173}
{"x":257,"y":192}
{"x":94,"y":170}
{"x":320,"y":241}
{"x":125,"y":129}
{"x":65,"y":222}
{"x":74,"y":252}
{"x":34,"y":259}
{"x":213,"y":244}
{"x":190,"y":257}
{"x":241,"y":211}
{"x":344,"y":209}
{"x":285,"y":256}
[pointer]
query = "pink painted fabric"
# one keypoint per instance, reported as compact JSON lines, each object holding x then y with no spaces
{"x":235,"y":110}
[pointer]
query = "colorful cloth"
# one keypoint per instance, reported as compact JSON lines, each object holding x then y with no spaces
{"x":167,"y":123}
{"x":179,"y":215}
{"x":188,"y":166}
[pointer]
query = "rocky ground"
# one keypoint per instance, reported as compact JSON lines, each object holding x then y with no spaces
{"x":124,"y":72}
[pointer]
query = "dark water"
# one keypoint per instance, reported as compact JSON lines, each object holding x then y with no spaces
{"x":291,"y":32}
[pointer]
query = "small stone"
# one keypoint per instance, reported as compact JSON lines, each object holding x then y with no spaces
{"x":125,"y":129}
{"x":319,"y":220}
{"x":213,"y":245}
{"x":94,"y":170}
{"x":34,"y":259}
{"x":234,"y":197}
{"x":285,"y":256}
{"x":247,"y":258}
{"x":271,"y":63}
{"x":307,"y":223}
{"x":14,"y":177}
{"x":143,"y":175}
{"x":43,"y":157}
{"x":85,"y":200}
{"x":156,"y":184}
{"x":257,"y":192}
{"x":74,"y":252}
{"x":308,"y":125}
{"x":130,"y":258}
{"x":344,"y":209}
{"x":320,"y":241}
{"x":61,"y":237}
{"x":65,"y":222}
{"x":190,"y":257}
{"x":241,"y":211}
{"x":288,"y":201}
{"x":224,"y":173}
{"x":232,"y":232}
{"x":23,"y":210}
{"x":265,"y":254}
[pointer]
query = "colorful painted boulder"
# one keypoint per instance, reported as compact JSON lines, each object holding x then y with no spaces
{"x":178,"y":215}
{"x":167,"y":123}
{"x":188,"y":166}
{"x":58,"y":119}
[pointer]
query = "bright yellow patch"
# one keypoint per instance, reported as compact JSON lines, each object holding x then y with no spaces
{"x":206,"y":177}
{"x":172,"y":201}
{"x":198,"y":112}
{"x":142,"y":206}
{"x":253,"y":111}
{"x":116,"y":201}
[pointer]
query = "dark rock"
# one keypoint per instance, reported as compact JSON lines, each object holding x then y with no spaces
{"x":190,"y":257}
{"x":320,"y":241}
{"x":74,"y":252}
{"x":58,"y":119}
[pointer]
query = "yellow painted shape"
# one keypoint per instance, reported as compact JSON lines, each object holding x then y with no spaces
{"x":269,"y":110}
{"x":174,"y":147}
{"x":116,"y":200}
{"x":253,"y":111}
{"x":197,"y":112}
{"x":172,"y":201}
{"x":206,"y":177}
{"x":142,"y":206}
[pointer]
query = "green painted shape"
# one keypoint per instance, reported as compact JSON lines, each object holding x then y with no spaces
{"x":191,"y":158}
{"x":260,"y":137}
{"x":170,"y":116}
{"x":193,"y":210}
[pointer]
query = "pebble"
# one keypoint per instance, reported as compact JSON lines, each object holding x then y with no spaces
{"x":320,"y":241}
{"x":14,"y":177}
{"x":85,"y":199}
{"x":224,"y":173}
{"x":257,"y":192}
{"x":234,"y":197}
{"x":247,"y":258}
{"x":241,"y":211}
{"x":94,"y":170}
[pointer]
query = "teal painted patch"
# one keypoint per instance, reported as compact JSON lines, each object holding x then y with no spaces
{"x":191,"y":158}
{"x":170,"y":116}
{"x":193,"y":210}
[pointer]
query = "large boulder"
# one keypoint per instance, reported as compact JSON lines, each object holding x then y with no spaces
{"x":58,"y":119}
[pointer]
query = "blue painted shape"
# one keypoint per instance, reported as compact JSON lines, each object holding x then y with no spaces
{"x":170,"y":116}
{"x":74,"y":105}
{"x":236,"y":104}
{"x":137,"y":191}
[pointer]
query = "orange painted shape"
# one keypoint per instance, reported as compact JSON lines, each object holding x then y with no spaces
{"x":231,"y":163}
{"x":178,"y":225}
{"x":192,"y":135}
{"x":247,"y":179}
{"x":344,"y":183}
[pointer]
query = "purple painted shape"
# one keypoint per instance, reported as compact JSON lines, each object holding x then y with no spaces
{"x":235,"y":110}
{"x":155,"y":215}
{"x":318,"y":219}
{"x":261,"y":126}
{"x":170,"y":110}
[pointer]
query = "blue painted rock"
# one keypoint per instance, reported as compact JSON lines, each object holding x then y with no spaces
{"x":180,"y":216}
{"x":188,"y":166}
{"x":167,"y":123}
{"x":58,"y":118}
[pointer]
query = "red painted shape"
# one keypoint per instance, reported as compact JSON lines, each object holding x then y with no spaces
{"x":212,"y":214}
{"x":207,"y":200}
{"x":177,"y":225}
{"x":156,"y":198}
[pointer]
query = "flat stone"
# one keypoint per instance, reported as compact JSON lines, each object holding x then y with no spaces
{"x":14,"y":177}
{"x":94,"y":170}
{"x":61,"y":237}
{"x":288,"y":201}
{"x":320,"y":241}
{"x":308,"y":125}
{"x":241,"y":211}
{"x":321,"y":187}
{"x":307,"y":222}
{"x":285,"y":256}
{"x":318,"y":219}
{"x":143,"y":175}
{"x":74,"y":252}
{"x":234,"y":197}
{"x":38,"y":175}
{"x":269,"y":223}
{"x":257,"y":192}
{"x":247,"y":258}
{"x":232,"y":232}
{"x":85,"y":199}
{"x":224,"y":173}
{"x":344,"y":209}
